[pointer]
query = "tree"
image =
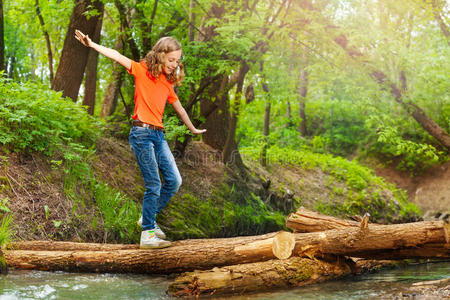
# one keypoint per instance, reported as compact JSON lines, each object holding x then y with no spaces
{"x":2,"y":39}
{"x":91,"y":71}
{"x":47,"y":40}
{"x":69,"y":74}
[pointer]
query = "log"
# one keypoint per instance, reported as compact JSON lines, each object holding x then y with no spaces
{"x":68,"y":246}
{"x":398,"y":241}
{"x":182,"y":256}
{"x":304,"y":220}
{"x":283,"y":244}
{"x":260,"y":276}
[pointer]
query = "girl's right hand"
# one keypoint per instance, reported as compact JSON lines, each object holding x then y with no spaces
{"x":83,"y":38}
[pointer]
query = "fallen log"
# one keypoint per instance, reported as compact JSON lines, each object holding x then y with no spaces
{"x":304,"y":220}
{"x":68,"y":246}
{"x":398,"y":241}
{"x":254,"y":277}
{"x":183,"y":256}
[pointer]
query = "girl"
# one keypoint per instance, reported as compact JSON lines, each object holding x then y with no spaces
{"x":154,"y":79}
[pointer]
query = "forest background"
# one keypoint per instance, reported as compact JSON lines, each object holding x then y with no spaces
{"x":302,"y":100}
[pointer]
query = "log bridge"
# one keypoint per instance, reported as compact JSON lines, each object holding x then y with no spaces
{"x":319,"y":249}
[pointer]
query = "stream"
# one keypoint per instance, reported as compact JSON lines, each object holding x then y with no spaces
{"x":384,"y":284}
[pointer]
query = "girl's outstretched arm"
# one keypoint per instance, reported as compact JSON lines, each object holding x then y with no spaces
{"x":108,"y":52}
{"x":184,"y":116}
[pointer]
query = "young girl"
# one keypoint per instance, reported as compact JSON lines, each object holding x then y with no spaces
{"x":154,"y":79}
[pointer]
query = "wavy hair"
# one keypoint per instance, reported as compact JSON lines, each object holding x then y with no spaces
{"x":154,"y":60}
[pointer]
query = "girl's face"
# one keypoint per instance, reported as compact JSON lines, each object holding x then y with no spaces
{"x":171,"y":61}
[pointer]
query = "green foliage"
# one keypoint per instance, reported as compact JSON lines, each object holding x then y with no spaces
{"x":34,"y":118}
{"x":365,"y":192}
{"x":415,"y":156}
{"x":227,"y":213}
{"x":120,"y":213}
{"x":5,"y":229}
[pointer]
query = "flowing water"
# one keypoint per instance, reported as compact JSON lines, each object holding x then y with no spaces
{"x":60,"y":285}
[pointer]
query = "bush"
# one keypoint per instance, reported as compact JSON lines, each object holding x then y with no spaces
{"x":34,"y":118}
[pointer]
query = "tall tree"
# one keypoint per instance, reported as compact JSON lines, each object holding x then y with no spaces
{"x":112,"y":91}
{"x":90,"y":85}
{"x":412,"y":109}
{"x":47,"y":40}
{"x":303,"y":90}
{"x":2,"y":38}
{"x":74,"y":56}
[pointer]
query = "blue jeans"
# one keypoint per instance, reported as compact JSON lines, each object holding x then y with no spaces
{"x":153,"y":155}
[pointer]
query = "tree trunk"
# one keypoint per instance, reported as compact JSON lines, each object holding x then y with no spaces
{"x":11,"y":66}
{"x":263,"y":158}
{"x":230,"y":151}
{"x":191,"y":33}
{"x":90,"y":85}
{"x":216,"y":100}
{"x":437,"y":9}
{"x":69,"y":74}
{"x":47,"y":40}
{"x":112,"y":91}
{"x":254,"y":277}
{"x":129,"y":40}
{"x":2,"y":38}
{"x":303,"y":90}
{"x":266,"y":124}
{"x":416,"y":112}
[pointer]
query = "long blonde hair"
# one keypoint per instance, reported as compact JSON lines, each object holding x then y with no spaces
{"x":154,"y":60}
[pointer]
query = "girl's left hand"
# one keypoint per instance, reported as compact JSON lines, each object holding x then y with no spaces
{"x":198,"y":131}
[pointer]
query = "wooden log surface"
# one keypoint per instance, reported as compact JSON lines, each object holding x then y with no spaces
{"x":399,"y":241}
{"x":304,"y":220}
{"x":182,"y":256}
{"x":260,"y":276}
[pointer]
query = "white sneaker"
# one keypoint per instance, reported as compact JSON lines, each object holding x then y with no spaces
{"x":149,"y":240}
{"x":159,"y":233}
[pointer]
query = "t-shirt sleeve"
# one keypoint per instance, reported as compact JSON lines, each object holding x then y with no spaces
{"x":172,"y":95}
{"x":135,"y":68}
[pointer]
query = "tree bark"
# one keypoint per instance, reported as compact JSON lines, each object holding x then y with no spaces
{"x":266,"y":124}
{"x":69,"y":74}
{"x":304,"y":220}
{"x":2,"y":38}
{"x":254,"y":277}
{"x":437,"y":9}
{"x":399,"y":241}
{"x":416,"y":112}
{"x":187,"y":255}
{"x":112,"y":91}
{"x":412,"y":240}
{"x":303,"y":90}
{"x":230,"y":147}
{"x":90,"y":85}
{"x":47,"y":40}
{"x":191,"y":32}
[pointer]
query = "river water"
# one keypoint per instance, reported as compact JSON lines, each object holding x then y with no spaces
{"x":61,"y":285}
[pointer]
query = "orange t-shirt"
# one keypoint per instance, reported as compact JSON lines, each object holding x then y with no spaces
{"x":150,"y":95}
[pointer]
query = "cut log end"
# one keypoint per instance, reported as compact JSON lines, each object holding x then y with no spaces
{"x":283,"y":245}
